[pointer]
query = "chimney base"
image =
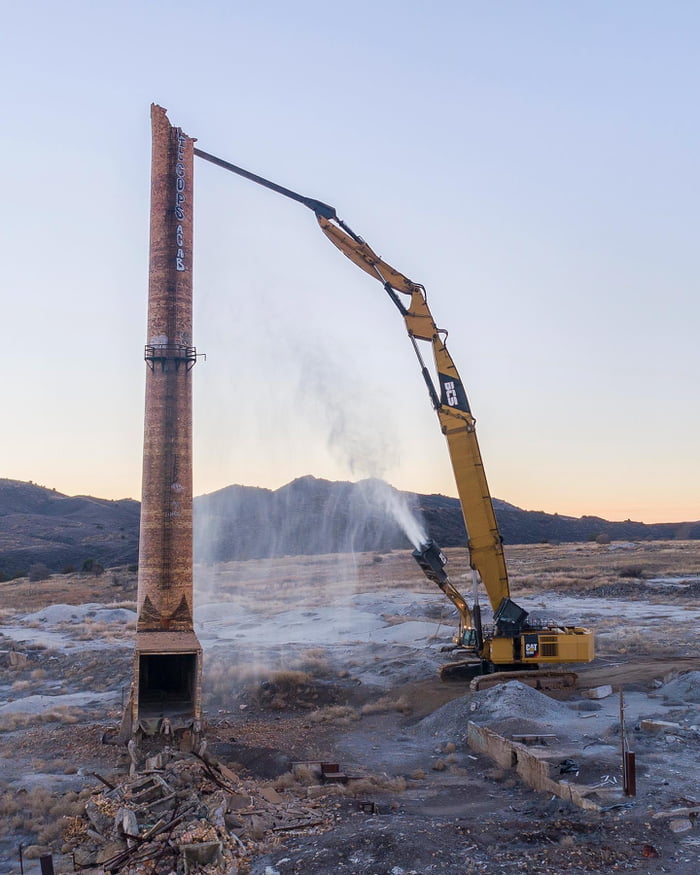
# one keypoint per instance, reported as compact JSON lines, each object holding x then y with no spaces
{"x":167,"y":691}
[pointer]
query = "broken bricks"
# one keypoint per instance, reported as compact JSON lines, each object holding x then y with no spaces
{"x":190,"y":812}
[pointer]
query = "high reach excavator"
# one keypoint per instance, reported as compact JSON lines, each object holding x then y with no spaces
{"x":513,"y":645}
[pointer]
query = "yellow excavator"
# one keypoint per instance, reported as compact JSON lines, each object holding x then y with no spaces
{"x":512,"y":646}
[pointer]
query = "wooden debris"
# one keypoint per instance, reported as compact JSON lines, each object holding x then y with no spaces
{"x":191,"y":809}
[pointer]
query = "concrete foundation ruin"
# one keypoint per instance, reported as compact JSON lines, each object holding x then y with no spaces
{"x":166,"y":691}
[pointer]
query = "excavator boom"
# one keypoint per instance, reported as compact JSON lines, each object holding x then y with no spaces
{"x":452,"y":407}
{"x":513,"y":642}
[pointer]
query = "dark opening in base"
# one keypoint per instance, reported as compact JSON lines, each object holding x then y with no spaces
{"x":167,"y":684}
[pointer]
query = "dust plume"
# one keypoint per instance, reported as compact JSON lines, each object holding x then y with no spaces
{"x":360,"y":434}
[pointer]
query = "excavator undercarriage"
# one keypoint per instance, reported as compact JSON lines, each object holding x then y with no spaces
{"x":513,"y":646}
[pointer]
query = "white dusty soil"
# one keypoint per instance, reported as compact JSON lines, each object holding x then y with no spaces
{"x":370,"y":643}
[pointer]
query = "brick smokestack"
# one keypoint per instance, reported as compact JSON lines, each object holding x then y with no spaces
{"x":167,"y":674}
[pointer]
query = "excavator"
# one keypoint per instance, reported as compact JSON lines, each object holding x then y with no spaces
{"x":513,"y":645}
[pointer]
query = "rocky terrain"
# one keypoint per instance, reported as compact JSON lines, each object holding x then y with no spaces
{"x":334,"y":659}
{"x":40,"y":526}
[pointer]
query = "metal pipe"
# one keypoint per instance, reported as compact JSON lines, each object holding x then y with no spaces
{"x":318,"y":207}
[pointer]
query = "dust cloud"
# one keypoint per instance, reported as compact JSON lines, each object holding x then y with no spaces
{"x":359,"y":434}
{"x":250,"y":540}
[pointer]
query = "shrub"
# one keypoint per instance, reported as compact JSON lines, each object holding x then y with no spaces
{"x":341,"y":715}
{"x":632,"y":571}
{"x":94,"y":566}
{"x":39,"y":571}
{"x":387,"y":703}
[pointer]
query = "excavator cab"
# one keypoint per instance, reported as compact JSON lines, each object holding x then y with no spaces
{"x":510,"y":618}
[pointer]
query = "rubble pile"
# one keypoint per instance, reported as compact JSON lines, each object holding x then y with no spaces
{"x":188,"y":813}
{"x":535,"y":711}
{"x":683,"y":689}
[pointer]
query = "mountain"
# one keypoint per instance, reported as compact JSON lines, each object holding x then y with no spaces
{"x":39,"y":525}
{"x":306,"y":516}
{"x":310,"y":516}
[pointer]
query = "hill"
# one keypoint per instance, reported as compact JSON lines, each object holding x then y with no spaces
{"x":309,"y":516}
{"x":39,"y":525}
{"x":304,"y":517}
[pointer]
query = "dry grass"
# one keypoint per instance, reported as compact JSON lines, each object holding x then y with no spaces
{"x":532,"y":566}
{"x":307,"y":776}
{"x":581,"y":567}
{"x":289,"y":679}
{"x":40,"y":813}
{"x":60,"y":714}
{"x":69,"y":589}
{"x":314,"y":662}
{"x":375,"y":784}
{"x":622,"y":641}
{"x":300,"y":774}
{"x":535,"y":569}
{"x":387,"y":703}
{"x":339,"y":715}
{"x":91,"y":630}
{"x":20,"y":686}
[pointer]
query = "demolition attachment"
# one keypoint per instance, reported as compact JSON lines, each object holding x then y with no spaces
{"x":432,"y":560}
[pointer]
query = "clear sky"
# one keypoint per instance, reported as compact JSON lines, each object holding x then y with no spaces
{"x":534,"y":164}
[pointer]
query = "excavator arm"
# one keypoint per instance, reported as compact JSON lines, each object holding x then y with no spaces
{"x":514,"y":642}
{"x":452,"y":408}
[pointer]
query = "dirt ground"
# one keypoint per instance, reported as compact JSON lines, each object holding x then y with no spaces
{"x":335,"y":658}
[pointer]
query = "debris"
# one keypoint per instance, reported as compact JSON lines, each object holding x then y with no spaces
{"x":684,"y":688}
{"x":191,"y":814}
{"x":659,"y":726}
{"x":13,"y":659}
{"x":330,"y":772}
{"x":271,"y":795}
{"x":679,"y":812}
{"x":103,"y":780}
{"x":201,"y":854}
{"x":601,"y":692}
{"x":534,"y":739}
{"x":681,"y":824}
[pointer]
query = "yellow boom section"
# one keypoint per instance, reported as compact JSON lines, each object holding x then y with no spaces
{"x":456,"y":420}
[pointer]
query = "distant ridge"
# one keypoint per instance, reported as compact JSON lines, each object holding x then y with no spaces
{"x":40,"y":525}
{"x":310,"y":516}
{"x":306,"y":516}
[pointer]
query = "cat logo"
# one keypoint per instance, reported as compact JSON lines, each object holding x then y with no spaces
{"x":532,"y":646}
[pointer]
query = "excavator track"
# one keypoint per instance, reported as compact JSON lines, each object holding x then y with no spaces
{"x":466,"y":670}
{"x":540,"y":680}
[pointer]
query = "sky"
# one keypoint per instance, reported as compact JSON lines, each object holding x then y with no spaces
{"x":533,"y":164}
